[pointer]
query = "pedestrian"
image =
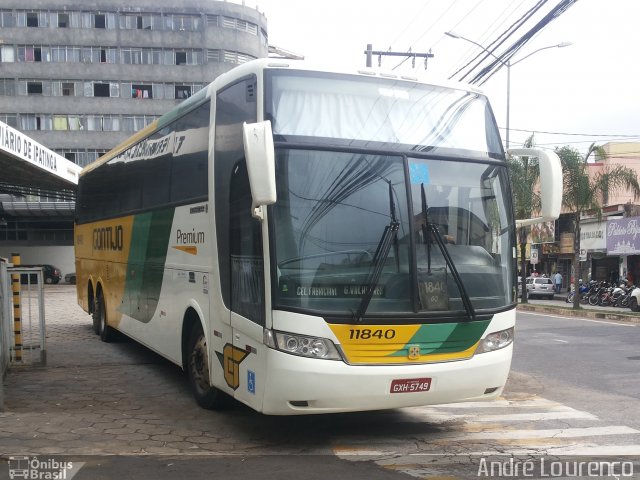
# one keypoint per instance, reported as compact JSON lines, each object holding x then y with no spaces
{"x":557,"y":280}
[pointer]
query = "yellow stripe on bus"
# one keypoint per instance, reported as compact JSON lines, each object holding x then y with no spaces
{"x":102,"y":253}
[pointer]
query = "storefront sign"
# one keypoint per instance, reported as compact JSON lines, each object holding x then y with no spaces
{"x":623,"y":236}
{"x":543,"y":232}
{"x":566,"y":243}
{"x":592,"y":237}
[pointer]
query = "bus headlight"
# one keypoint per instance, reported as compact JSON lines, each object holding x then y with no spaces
{"x":496,"y":341}
{"x":302,"y":345}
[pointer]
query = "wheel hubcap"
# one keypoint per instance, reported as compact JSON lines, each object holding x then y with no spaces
{"x":199,"y":363}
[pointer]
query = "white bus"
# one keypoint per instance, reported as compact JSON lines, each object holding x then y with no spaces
{"x":309,"y":241}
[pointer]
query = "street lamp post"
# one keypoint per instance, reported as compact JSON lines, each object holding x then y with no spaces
{"x":507,"y":64}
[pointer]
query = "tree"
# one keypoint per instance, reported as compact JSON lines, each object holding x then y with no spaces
{"x":524,"y":175}
{"x":583,"y":192}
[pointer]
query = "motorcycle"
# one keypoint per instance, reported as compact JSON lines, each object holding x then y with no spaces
{"x":582,"y":288}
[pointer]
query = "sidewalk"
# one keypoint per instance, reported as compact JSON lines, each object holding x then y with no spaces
{"x":559,"y":306}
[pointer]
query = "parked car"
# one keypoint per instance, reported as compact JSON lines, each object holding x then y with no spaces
{"x":540,"y":287}
{"x":70,"y":278}
{"x":50,"y":274}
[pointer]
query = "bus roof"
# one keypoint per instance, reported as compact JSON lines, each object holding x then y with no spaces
{"x":254,"y":67}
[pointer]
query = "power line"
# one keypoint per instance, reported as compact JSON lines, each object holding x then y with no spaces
{"x":472,"y":50}
{"x":435,"y":22}
{"x":415,"y":17}
{"x":487,"y":72}
{"x":574,"y":134}
{"x":499,"y":41}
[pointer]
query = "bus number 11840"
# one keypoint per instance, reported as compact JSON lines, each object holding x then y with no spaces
{"x":367,"y":333}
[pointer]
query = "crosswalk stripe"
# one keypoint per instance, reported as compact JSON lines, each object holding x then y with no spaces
{"x":560,"y":414}
{"x":501,"y":403}
{"x":546,"y":433}
{"x":480,"y":429}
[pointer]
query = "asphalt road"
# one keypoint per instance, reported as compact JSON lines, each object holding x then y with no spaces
{"x":587,"y":364}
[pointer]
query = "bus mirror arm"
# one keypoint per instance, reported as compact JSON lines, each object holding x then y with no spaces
{"x":550,"y":184}
{"x":260,"y":157}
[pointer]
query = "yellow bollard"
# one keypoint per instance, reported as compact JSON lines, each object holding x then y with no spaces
{"x":17,"y":320}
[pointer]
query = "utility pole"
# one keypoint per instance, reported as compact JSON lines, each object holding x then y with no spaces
{"x":370,"y":52}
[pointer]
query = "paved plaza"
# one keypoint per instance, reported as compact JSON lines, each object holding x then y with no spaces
{"x":93,"y":398}
{"x":118,"y":398}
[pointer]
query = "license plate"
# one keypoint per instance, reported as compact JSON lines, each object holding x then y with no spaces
{"x":409,"y":385}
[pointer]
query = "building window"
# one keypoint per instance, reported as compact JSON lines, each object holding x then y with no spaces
{"x":100,"y":20}
{"x":182,"y":92}
{"x":31,"y":54}
{"x":63,"y":20}
{"x":7,"y":86}
{"x":68,"y":89}
{"x":10,"y":119}
{"x":141,"y":91}
{"x":7,"y":54}
{"x":36,"y":122}
{"x":182,"y":23}
{"x":101,"y":90}
{"x":131,"y":56}
{"x":32,"y":19}
{"x":7,"y":18}
{"x":181,"y":58}
{"x":34,"y":88}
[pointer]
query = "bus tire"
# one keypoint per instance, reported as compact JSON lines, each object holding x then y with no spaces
{"x":107,"y":334}
{"x":198,"y":371}
{"x":95,"y":317}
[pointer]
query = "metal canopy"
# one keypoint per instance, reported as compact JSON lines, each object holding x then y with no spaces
{"x":26,"y":165}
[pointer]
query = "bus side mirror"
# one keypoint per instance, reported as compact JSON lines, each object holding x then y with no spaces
{"x":550,"y":183}
{"x":261,"y":164}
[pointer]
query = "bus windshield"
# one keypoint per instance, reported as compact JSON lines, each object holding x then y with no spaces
{"x":333,"y":208}
{"x":422,"y":161}
{"x":395,"y":114}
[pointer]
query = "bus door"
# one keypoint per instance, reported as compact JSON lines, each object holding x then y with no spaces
{"x":247,"y":295}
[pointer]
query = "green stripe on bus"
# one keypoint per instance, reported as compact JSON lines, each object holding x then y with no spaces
{"x":145,"y":266}
{"x":445,"y":337}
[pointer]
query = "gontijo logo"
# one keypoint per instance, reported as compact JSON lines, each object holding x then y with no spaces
{"x":108,"y":238}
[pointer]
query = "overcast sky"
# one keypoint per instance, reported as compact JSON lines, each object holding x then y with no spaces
{"x":590,"y":87}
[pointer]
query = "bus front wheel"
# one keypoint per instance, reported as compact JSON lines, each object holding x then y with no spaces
{"x":198,"y":371}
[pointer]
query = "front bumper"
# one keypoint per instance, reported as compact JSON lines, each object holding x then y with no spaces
{"x":298,"y":386}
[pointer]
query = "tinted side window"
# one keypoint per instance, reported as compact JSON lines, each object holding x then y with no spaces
{"x":234,"y":105}
{"x":245,"y":242}
{"x":189,"y":172}
{"x":167,"y":168}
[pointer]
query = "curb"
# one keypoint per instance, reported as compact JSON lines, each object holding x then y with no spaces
{"x":582,"y":313}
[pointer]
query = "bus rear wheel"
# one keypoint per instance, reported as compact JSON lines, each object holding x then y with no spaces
{"x":95,"y":316}
{"x":107,"y":334}
{"x":198,"y":371}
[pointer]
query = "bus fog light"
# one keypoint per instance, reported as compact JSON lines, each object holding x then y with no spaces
{"x":305,"y":346}
{"x":496,"y":341}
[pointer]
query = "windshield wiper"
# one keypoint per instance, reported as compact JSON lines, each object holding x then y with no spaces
{"x":379,"y":258}
{"x":428,"y":228}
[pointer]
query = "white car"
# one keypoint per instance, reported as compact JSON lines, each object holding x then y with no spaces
{"x":540,"y":287}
